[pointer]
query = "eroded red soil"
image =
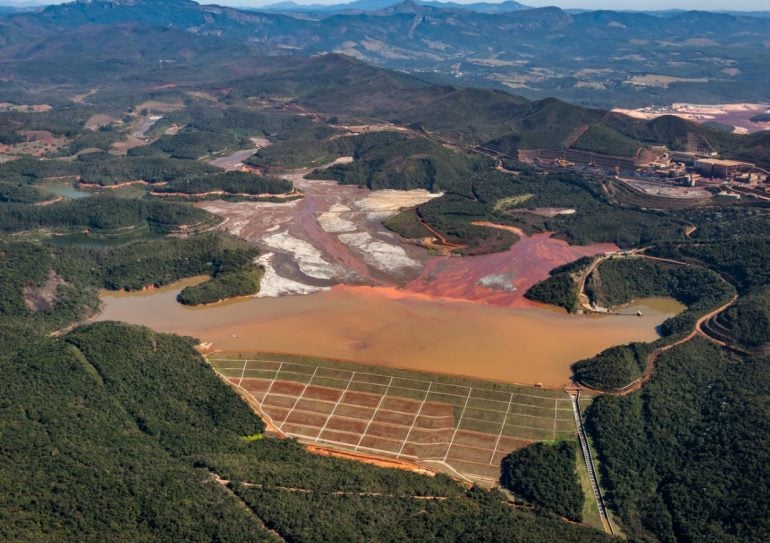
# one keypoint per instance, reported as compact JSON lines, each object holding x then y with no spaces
{"x":523,"y":265}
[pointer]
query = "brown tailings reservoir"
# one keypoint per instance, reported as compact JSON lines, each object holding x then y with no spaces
{"x":389,"y":327}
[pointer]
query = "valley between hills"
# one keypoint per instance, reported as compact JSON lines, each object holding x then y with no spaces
{"x":254,"y":289}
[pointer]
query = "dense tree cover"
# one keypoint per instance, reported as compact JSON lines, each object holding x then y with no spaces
{"x":33,"y":291}
{"x":734,"y":241}
{"x":137,"y":422}
{"x":407,"y":224}
{"x":744,"y":260}
{"x":23,"y":265}
{"x":221,"y":286}
{"x":572,"y":267}
{"x":106,"y":169}
{"x":559,"y":289}
{"x":686,"y":458}
{"x":728,"y":223}
{"x":596,"y":219}
{"x":297,"y":154}
{"x":154,"y":263}
{"x":613,"y":368}
{"x":101,"y":168}
{"x":155,"y":368}
{"x":82,"y":461}
{"x":234,"y":182}
{"x":20,"y":193}
{"x":603,"y":140}
{"x":748,"y":321}
{"x":243,"y":121}
{"x":31,"y":170}
{"x":190,"y":144}
{"x":100,"y":214}
{"x":621,"y":280}
{"x":671,"y":131}
{"x":393,"y":160}
{"x":544,"y":474}
{"x":476,"y":516}
{"x":66,"y":277}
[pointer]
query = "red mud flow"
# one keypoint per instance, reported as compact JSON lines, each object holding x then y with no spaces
{"x":527,"y":262}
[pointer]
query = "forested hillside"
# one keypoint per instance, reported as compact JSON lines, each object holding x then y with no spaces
{"x":544,"y":474}
{"x":685,"y":459}
{"x":151,"y":445}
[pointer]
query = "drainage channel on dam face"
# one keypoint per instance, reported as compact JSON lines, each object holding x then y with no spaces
{"x":444,"y":423}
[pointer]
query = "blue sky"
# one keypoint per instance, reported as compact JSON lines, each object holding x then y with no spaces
{"x":714,"y":5}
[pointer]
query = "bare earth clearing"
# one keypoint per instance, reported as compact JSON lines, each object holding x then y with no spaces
{"x":332,"y":235}
{"x":235,"y":160}
{"x":736,"y":115}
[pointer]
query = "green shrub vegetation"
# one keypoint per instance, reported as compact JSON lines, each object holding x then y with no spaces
{"x":238,"y":121}
{"x":686,"y":458}
{"x":140,"y":425}
{"x":222,"y":286}
{"x":560,"y":289}
{"x":98,"y":464}
{"x":31,"y":170}
{"x":297,"y":154}
{"x":545,"y":475}
{"x":748,"y":321}
{"x":191,"y":144}
{"x":20,"y":193}
{"x":230,"y":182}
{"x":596,"y":219}
{"x":603,"y":140}
{"x":106,"y":169}
{"x":72,"y":274}
{"x":614,"y":368}
{"x":392,"y":160}
{"x":621,"y":280}
{"x":101,"y":168}
{"x":100,"y":214}
{"x":407,"y":224}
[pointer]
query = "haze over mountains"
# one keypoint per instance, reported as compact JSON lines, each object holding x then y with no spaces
{"x":599,"y":58}
{"x":373,"y":5}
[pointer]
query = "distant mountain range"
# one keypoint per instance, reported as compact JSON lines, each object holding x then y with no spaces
{"x":375,"y":5}
{"x":598,"y":58}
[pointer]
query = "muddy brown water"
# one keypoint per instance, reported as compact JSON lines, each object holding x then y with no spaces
{"x":391,"y":327}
